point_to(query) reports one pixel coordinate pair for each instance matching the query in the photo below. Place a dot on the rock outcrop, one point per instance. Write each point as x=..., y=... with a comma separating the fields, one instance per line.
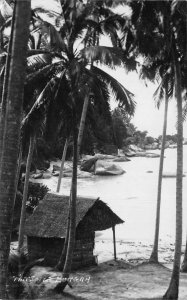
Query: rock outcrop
x=107, y=168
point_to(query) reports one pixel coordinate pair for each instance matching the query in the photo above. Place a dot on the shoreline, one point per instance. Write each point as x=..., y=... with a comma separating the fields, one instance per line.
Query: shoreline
x=128, y=249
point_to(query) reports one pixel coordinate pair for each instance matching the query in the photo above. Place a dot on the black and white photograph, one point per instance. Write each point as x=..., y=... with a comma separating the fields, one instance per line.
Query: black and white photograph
x=93, y=149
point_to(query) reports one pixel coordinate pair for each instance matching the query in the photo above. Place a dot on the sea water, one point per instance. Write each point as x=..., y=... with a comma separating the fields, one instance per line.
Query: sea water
x=133, y=196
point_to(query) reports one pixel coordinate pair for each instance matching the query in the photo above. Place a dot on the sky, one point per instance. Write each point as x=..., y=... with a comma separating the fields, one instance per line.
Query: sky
x=147, y=116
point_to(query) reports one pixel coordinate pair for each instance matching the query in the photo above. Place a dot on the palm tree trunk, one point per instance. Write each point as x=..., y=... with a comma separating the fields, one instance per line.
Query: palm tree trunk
x=62, y=259
x=72, y=225
x=8, y=163
x=25, y=194
x=82, y=123
x=184, y=263
x=5, y=86
x=154, y=254
x=62, y=165
x=173, y=290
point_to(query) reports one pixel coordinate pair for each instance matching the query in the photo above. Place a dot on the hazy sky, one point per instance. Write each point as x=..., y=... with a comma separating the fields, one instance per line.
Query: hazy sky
x=147, y=116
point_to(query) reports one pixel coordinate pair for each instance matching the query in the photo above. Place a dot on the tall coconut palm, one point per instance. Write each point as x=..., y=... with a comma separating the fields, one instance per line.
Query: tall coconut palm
x=161, y=71
x=173, y=289
x=78, y=77
x=154, y=254
x=8, y=167
x=166, y=32
x=164, y=91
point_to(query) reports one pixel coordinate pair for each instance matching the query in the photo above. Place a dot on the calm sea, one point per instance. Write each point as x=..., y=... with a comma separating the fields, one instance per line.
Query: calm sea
x=132, y=196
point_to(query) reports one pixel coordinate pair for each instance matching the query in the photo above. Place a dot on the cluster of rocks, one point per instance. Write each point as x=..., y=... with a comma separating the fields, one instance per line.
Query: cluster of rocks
x=157, y=146
x=99, y=164
x=134, y=150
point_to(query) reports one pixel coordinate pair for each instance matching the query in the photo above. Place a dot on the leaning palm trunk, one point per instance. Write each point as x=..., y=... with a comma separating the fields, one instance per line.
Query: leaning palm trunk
x=82, y=123
x=25, y=194
x=8, y=162
x=154, y=254
x=62, y=165
x=72, y=224
x=173, y=290
x=184, y=263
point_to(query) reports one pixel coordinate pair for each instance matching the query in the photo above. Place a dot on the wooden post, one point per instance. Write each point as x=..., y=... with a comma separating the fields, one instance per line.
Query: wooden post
x=114, y=241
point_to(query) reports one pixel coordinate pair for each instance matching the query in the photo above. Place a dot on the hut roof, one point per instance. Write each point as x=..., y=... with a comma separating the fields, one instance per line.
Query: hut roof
x=50, y=217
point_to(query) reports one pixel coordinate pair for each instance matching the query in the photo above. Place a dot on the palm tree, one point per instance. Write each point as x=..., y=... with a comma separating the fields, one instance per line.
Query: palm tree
x=165, y=32
x=62, y=164
x=165, y=89
x=77, y=77
x=173, y=289
x=154, y=254
x=8, y=166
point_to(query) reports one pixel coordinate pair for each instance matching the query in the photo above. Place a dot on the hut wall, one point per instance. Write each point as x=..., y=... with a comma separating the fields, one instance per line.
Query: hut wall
x=51, y=248
x=83, y=250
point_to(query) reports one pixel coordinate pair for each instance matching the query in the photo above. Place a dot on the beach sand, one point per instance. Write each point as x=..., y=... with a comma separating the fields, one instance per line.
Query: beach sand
x=110, y=280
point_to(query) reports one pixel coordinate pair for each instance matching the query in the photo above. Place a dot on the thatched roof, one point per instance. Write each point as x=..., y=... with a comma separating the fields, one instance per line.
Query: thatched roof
x=50, y=217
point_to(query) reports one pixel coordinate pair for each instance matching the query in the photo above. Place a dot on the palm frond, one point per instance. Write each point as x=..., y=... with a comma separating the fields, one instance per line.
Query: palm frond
x=122, y=95
x=59, y=111
x=42, y=71
x=37, y=112
x=178, y=5
x=108, y=56
x=158, y=95
x=166, y=86
x=38, y=61
x=6, y=10
x=53, y=17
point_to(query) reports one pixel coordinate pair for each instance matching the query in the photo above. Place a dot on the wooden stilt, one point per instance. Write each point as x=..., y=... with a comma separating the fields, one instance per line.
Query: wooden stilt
x=114, y=241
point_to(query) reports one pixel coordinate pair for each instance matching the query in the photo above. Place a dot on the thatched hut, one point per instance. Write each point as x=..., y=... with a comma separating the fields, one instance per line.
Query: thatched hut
x=46, y=228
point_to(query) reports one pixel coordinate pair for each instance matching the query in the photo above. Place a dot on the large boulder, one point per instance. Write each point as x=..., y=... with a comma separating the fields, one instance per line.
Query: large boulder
x=135, y=148
x=130, y=153
x=56, y=168
x=107, y=168
x=88, y=165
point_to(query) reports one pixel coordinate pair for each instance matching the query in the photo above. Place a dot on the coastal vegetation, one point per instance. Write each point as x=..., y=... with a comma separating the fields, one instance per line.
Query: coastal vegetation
x=55, y=102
